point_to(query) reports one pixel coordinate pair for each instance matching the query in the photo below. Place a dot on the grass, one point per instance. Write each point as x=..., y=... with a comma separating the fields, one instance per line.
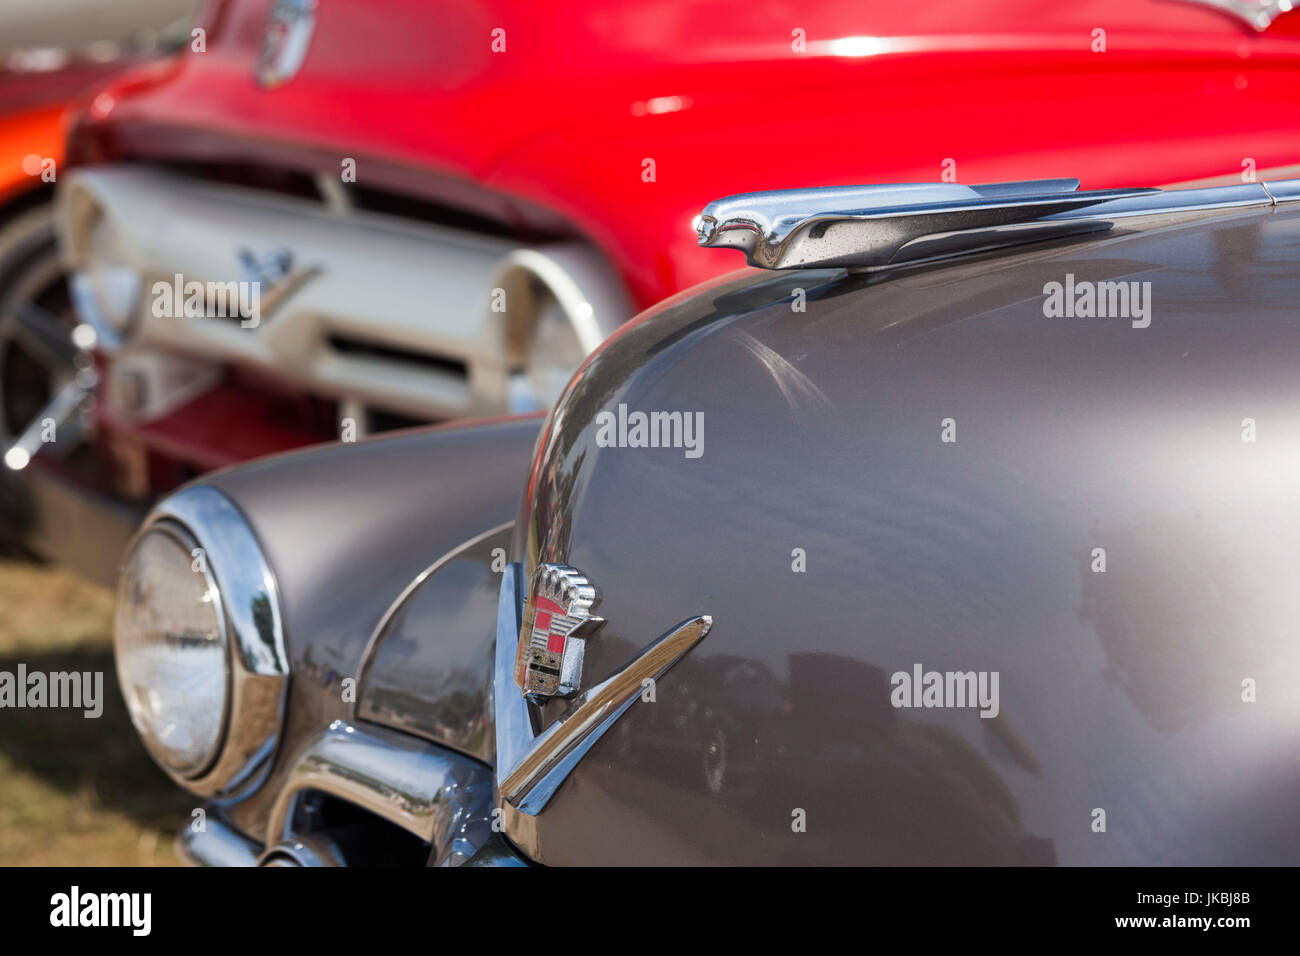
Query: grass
x=74, y=790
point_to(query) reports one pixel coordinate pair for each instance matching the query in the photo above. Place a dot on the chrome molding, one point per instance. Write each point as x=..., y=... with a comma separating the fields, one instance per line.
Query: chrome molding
x=531, y=765
x=440, y=796
x=512, y=718
x=875, y=227
x=258, y=661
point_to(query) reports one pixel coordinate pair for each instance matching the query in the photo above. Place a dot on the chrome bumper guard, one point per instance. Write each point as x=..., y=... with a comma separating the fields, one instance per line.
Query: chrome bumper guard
x=442, y=797
x=216, y=844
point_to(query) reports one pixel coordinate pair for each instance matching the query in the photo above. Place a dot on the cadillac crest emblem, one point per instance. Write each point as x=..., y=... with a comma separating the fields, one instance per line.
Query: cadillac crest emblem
x=556, y=624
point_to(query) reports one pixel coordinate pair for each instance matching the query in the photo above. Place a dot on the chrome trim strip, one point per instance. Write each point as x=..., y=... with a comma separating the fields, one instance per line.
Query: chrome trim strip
x=1175, y=202
x=440, y=796
x=1283, y=190
x=875, y=227
x=553, y=754
x=257, y=657
x=512, y=718
x=217, y=844
x=531, y=765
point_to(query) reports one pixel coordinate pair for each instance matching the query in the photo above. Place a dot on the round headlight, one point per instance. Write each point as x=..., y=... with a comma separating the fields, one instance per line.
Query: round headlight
x=200, y=647
x=171, y=649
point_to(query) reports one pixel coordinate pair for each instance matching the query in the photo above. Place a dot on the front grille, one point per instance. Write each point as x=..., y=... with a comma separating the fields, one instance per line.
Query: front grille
x=390, y=203
x=272, y=179
x=295, y=183
x=357, y=348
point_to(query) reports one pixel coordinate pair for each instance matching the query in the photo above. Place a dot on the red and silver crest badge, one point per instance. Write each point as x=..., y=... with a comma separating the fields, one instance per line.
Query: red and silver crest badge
x=289, y=27
x=557, y=622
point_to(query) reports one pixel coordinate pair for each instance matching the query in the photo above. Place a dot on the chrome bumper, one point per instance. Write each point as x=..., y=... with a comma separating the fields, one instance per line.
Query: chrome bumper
x=216, y=844
x=440, y=796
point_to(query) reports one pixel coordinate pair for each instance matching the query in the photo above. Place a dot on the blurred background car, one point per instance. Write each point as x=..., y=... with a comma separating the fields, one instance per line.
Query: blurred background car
x=52, y=55
x=436, y=211
x=71, y=789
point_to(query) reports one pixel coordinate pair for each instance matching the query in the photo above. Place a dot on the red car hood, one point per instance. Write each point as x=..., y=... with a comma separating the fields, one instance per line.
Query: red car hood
x=586, y=101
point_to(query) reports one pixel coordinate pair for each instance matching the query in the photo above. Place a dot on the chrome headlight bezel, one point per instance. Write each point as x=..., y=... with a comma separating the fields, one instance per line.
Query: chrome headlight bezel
x=257, y=661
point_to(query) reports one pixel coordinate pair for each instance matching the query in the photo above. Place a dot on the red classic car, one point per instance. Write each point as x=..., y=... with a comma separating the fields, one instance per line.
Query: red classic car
x=437, y=210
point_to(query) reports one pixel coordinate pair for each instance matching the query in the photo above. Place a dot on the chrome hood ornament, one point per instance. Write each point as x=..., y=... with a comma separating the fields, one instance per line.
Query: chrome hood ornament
x=1258, y=14
x=876, y=227
x=557, y=622
x=289, y=28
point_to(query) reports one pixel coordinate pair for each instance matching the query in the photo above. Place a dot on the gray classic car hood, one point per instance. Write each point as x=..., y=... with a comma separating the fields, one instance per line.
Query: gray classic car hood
x=936, y=471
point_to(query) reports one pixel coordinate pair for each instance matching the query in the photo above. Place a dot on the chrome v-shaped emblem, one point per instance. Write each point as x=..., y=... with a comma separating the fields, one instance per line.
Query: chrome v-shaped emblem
x=531, y=765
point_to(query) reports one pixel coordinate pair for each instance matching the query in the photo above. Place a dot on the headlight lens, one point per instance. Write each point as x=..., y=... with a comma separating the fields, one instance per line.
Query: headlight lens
x=171, y=648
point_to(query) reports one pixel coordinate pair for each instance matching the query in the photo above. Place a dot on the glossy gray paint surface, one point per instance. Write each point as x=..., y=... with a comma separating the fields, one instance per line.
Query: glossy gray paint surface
x=1119, y=690
x=345, y=528
x=429, y=669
